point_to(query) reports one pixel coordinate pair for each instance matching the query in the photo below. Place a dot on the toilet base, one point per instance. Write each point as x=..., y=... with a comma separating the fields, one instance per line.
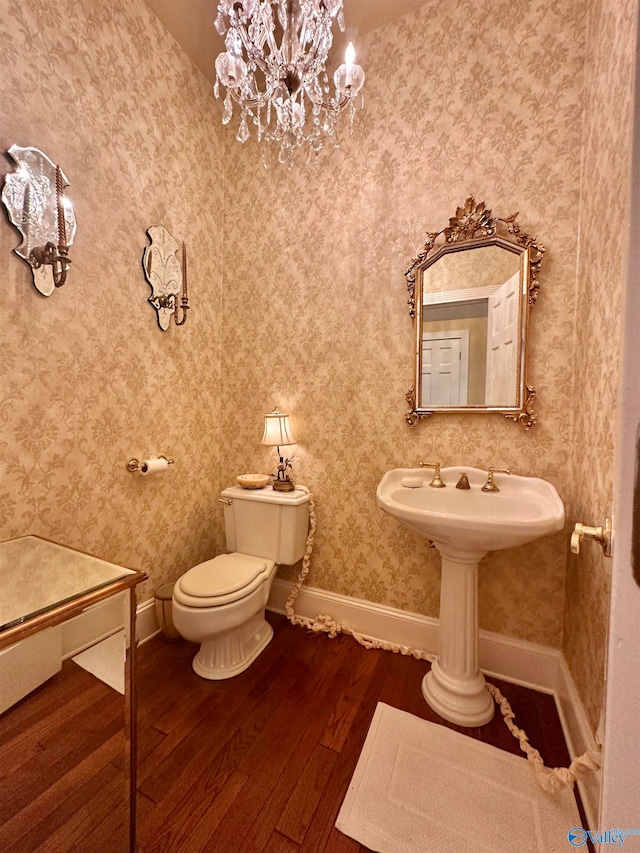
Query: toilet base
x=231, y=653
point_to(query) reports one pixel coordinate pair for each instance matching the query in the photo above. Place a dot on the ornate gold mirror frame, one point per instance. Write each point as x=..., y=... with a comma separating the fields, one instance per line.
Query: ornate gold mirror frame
x=442, y=283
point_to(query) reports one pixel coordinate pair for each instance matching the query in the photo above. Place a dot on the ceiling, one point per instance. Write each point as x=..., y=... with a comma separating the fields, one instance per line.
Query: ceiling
x=191, y=24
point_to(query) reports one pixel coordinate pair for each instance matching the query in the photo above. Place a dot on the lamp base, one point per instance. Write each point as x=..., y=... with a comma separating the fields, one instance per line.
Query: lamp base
x=283, y=485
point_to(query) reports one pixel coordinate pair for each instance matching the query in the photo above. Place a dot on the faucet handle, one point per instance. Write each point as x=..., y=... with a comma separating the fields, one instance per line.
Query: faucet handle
x=436, y=483
x=490, y=486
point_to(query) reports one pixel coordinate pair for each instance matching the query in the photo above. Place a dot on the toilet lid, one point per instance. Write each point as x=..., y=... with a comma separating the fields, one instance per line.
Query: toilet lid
x=223, y=575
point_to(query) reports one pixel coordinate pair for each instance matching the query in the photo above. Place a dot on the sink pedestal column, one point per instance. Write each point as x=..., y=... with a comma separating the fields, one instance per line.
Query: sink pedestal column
x=455, y=687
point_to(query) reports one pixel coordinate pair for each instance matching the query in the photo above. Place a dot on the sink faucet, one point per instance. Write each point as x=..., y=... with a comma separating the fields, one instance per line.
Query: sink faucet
x=463, y=482
x=490, y=486
x=436, y=483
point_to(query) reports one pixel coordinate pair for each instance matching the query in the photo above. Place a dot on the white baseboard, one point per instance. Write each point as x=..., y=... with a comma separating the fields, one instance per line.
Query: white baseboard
x=146, y=622
x=503, y=657
x=531, y=665
x=580, y=739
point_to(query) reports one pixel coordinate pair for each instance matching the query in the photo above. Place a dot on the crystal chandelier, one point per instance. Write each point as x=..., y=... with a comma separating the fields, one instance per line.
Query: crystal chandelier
x=274, y=68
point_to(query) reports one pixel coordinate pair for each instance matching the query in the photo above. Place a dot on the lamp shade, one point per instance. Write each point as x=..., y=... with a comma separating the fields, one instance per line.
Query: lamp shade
x=277, y=430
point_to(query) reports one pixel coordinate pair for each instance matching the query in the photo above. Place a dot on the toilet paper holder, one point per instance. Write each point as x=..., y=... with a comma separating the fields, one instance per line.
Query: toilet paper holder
x=134, y=465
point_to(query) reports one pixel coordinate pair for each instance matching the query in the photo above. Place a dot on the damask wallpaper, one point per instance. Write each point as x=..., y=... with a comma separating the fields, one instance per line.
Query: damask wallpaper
x=88, y=378
x=604, y=207
x=299, y=299
x=461, y=98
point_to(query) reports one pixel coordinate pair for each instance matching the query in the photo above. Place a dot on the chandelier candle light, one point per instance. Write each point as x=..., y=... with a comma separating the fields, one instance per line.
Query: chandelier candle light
x=283, y=88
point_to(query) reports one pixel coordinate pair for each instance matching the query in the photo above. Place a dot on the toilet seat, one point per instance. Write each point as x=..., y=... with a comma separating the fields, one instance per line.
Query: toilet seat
x=222, y=580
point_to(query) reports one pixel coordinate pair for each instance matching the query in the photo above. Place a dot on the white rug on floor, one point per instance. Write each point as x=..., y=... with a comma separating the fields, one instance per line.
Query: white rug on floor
x=421, y=788
x=105, y=660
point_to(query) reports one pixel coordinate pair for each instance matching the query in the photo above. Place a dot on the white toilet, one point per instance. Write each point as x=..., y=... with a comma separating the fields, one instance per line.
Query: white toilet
x=220, y=603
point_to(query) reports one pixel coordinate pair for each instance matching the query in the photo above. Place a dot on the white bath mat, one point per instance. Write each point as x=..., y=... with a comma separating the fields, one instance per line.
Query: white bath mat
x=105, y=660
x=422, y=788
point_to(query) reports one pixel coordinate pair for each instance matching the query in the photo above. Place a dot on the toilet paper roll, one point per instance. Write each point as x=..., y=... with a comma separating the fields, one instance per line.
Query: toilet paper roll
x=154, y=466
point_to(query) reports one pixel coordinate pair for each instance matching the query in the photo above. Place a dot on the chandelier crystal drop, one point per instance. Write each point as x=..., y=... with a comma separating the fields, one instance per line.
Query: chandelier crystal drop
x=274, y=68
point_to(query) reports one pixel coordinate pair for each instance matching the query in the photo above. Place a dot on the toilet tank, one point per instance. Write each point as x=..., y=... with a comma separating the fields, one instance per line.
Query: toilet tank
x=266, y=523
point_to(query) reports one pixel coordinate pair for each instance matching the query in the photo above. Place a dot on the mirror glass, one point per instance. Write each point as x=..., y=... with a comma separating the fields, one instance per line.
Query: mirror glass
x=36, y=204
x=471, y=319
x=470, y=293
x=164, y=273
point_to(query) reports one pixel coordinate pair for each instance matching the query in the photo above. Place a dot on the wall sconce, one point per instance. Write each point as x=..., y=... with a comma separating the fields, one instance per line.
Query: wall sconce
x=277, y=433
x=34, y=198
x=166, y=275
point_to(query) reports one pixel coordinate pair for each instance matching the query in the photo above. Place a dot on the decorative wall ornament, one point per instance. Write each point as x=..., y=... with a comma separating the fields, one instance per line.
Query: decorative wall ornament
x=34, y=198
x=470, y=290
x=167, y=276
x=471, y=222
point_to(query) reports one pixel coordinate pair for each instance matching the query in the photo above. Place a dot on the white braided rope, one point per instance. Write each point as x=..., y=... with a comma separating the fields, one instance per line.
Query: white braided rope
x=550, y=779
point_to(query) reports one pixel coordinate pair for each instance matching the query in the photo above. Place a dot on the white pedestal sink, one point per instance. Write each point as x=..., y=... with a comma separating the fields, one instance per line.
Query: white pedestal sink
x=464, y=526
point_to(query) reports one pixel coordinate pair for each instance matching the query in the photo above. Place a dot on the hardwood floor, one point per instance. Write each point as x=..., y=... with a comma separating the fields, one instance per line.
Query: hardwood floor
x=61, y=774
x=260, y=762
